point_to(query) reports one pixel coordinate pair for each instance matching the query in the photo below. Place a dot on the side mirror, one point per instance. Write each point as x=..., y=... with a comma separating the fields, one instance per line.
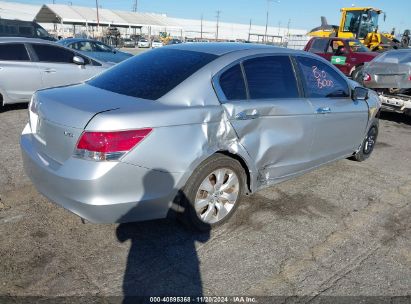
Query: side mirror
x=78, y=60
x=359, y=93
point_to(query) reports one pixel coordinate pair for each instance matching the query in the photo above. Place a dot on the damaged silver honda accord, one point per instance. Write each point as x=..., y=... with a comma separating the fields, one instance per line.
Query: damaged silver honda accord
x=191, y=128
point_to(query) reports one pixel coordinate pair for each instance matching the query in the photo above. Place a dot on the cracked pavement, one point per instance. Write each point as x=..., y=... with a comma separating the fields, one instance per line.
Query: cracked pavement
x=341, y=230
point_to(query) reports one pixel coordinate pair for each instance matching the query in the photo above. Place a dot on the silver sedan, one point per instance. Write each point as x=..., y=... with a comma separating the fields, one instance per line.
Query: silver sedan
x=27, y=65
x=188, y=129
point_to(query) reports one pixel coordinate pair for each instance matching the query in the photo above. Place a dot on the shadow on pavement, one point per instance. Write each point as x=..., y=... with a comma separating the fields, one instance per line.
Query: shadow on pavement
x=162, y=260
x=11, y=107
x=396, y=117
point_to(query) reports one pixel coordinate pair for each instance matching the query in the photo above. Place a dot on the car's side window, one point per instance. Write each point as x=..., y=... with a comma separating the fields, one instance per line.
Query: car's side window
x=270, y=77
x=73, y=46
x=85, y=46
x=13, y=52
x=321, y=80
x=50, y=53
x=232, y=83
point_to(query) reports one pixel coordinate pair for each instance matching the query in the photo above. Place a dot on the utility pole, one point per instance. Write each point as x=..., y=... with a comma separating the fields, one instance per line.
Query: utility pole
x=55, y=24
x=279, y=27
x=98, y=18
x=135, y=5
x=201, y=27
x=266, y=20
x=249, y=31
x=288, y=27
x=218, y=24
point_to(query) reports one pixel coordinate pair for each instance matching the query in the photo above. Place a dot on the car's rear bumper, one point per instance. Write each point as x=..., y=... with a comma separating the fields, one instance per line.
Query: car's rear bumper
x=101, y=192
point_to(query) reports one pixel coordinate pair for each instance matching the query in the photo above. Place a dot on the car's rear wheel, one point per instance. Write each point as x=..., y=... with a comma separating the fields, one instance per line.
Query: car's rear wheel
x=367, y=145
x=213, y=192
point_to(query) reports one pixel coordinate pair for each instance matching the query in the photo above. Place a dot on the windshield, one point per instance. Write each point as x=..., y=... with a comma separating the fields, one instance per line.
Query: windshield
x=100, y=47
x=152, y=74
x=361, y=22
x=357, y=47
x=41, y=32
x=369, y=23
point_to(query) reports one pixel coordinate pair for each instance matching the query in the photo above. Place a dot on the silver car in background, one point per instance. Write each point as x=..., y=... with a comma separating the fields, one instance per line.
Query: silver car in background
x=189, y=129
x=390, y=75
x=27, y=65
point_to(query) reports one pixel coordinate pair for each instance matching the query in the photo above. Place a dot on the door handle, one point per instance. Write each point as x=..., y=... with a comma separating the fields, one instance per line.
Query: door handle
x=246, y=115
x=50, y=70
x=324, y=110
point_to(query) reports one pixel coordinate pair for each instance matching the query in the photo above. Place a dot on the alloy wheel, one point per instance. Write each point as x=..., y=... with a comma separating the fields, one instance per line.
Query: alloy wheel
x=217, y=195
x=370, y=141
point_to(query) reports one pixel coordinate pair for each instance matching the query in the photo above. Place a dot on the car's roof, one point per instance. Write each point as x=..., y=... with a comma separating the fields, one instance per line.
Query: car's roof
x=24, y=40
x=399, y=51
x=221, y=48
x=77, y=39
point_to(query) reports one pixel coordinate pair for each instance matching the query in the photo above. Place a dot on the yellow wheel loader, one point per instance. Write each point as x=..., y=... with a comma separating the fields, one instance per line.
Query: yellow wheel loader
x=360, y=23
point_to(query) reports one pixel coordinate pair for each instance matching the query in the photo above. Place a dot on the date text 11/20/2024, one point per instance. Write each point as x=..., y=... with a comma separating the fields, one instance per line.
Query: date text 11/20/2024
x=203, y=300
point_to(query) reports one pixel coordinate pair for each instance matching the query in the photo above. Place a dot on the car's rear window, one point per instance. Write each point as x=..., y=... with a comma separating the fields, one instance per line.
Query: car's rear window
x=152, y=74
x=403, y=57
x=318, y=45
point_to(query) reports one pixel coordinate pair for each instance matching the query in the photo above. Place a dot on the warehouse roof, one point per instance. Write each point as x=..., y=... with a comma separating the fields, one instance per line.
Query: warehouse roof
x=69, y=14
x=12, y=10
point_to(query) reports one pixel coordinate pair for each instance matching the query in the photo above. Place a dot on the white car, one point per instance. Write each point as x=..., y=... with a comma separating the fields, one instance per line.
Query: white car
x=143, y=43
x=27, y=65
x=156, y=44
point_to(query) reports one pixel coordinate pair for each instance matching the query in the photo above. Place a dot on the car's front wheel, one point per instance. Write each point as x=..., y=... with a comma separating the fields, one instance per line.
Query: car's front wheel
x=367, y=145
x=213, y=192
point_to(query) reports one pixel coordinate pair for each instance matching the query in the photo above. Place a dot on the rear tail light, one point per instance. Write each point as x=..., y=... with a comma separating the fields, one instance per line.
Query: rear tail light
x=106, y=146
x=33, y=104
x=366, y=77
x=409, y=78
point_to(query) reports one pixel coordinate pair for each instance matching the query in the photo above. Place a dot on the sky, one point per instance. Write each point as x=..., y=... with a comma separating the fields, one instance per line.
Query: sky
x=301, y=14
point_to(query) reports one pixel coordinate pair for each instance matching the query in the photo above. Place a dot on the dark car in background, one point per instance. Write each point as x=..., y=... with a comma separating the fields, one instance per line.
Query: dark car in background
x=174, y=41
x=27, y=29
x=95, y=49
x=348, y=55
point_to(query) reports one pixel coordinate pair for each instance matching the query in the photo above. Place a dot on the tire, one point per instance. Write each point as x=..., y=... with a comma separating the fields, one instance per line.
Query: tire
x=356, y=75
x=204, y=210
x=1, y=104
x=367, y=145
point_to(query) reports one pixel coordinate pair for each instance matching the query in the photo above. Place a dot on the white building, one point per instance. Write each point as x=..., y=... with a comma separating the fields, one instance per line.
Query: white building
x=73, y=20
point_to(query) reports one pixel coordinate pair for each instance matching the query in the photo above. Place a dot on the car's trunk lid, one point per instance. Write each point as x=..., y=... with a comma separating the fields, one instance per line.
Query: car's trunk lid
x=60, y=115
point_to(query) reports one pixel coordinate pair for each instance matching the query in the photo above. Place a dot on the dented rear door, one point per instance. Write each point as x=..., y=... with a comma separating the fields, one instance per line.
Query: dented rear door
x=274, y=124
